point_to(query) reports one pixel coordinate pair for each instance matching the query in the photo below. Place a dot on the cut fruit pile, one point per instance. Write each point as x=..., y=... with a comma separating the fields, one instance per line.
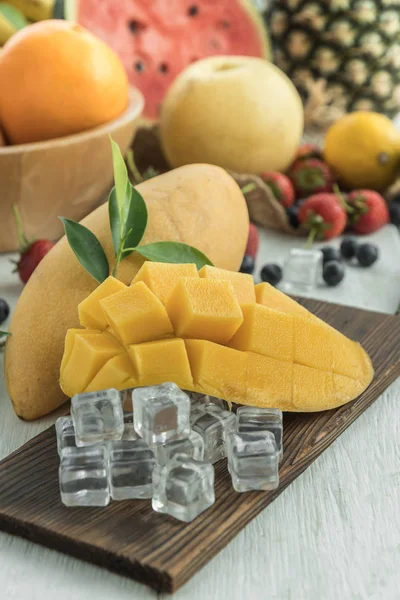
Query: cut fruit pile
x=212, y=332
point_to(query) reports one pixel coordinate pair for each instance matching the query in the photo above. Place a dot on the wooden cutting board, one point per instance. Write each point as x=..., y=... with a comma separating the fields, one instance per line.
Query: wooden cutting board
x=128, y=537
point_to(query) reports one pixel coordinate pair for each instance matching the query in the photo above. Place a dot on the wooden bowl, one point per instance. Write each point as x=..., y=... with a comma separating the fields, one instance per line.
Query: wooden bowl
x=66, y=177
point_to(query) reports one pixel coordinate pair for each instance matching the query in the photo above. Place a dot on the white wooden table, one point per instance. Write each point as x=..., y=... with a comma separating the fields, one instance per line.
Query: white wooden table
x=334, y=534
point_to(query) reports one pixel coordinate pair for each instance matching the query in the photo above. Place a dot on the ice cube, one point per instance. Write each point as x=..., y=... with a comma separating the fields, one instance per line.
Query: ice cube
x=83, y=476
x=131, y=464
x=65, y=432
x=253, y=461
x=193, y=446
x=97, y=417
x=183, y=488
x=302, y=270
x=213, y=424
x=161, y=413
x=252, y=420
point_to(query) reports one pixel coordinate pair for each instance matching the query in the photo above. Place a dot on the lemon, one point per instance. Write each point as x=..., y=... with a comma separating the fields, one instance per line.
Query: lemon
x=363, y=148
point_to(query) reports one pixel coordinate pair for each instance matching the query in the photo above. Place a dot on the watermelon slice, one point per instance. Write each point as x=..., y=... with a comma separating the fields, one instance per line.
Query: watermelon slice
x=157, y=39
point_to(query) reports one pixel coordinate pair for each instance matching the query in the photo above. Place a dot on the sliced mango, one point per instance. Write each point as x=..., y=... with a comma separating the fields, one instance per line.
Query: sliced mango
x=269, y=296
x=89, y=310
x=161, y=361
x=218, y=370
x=243, y=284
x=136, y=315
x=116, y=373
x=265, y=331
x=204, y=309
x=87, y=356
x=210, y=338
x=268, y=382
x=161, y=278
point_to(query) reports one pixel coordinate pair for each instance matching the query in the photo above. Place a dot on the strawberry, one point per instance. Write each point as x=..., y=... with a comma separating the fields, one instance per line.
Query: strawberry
x=323, y=216
x=31, y=252
x=310, y=176
x=368, y=212
x=308, y=151
x=252, y=242
x=280, y=186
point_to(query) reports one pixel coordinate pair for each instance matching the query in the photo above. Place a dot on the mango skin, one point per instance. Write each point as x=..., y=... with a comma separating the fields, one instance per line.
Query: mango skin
x=198, y=204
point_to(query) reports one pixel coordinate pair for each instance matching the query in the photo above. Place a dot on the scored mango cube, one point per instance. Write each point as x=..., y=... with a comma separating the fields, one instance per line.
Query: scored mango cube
x=89, y=310
x=243, y=284
x=114, y=374
x=312, y=344
x=88, y=355
x=265, y=331
x=204, y=309
x=218, y=369
x=268, y=295
x=136, y=315
x=161, y=278
x=311, y=388
x=161, y=361
x=268, y=382
x=69, y=343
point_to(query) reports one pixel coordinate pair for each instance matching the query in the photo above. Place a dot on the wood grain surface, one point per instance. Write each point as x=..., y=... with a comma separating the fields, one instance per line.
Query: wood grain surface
x=128, y=537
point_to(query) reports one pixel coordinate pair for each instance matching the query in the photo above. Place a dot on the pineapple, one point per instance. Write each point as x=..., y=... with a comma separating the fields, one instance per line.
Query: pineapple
x=342, y=55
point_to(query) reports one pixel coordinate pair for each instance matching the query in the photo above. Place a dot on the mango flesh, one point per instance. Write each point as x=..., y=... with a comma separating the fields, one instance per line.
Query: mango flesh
x=162, y=279
x=278, y=358
x=198, y=204
x=136, y=315
x=89, y=310
x=204, y=308
x=242, y=284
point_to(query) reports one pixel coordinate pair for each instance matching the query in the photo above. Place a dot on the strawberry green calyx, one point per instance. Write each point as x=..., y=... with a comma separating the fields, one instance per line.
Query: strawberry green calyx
x=23, y=242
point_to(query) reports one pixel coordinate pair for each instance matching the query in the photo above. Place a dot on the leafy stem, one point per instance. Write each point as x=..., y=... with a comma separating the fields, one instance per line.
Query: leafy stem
x=128, y=217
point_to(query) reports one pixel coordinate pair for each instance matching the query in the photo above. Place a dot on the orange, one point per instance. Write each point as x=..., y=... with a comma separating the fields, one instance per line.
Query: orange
x=57, y=79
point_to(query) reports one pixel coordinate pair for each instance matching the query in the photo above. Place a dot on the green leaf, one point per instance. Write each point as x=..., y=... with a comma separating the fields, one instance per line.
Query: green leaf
x=174, y=252
x=121, y=181
x=115, y=220
x=136, y=222
x=87, y=249
x=14, y=17
x=4, y=333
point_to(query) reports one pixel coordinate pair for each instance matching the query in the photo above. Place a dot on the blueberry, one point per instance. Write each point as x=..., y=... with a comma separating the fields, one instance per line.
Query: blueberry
x=4, y=310
x=394, y=212
x=271, y=274
x=330, y=253
x=333, y=272
x=348, y=247
x=367, y=254
x=292, y=215
x=247, y=265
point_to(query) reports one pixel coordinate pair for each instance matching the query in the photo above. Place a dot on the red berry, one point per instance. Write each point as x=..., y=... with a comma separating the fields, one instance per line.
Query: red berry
x=323, y=216
x=370, y=211
x=281, y=187
x=252, y=241
x=310, y=176
x=308, y=151
x=31, y=257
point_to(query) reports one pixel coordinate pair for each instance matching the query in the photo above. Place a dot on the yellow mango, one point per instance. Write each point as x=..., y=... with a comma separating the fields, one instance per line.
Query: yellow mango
x=88, y=355
x=177, y=202
x=269, y=296
x=114, y=374
x=268, y=382
x=312, y=388
x=243, y=284
x=265, y=331
x=136, y=315
x=161, y=278
x=69, y=343
x=313, y=344
x=90, y=311
x=217, y=370
x=161, y=361
x=204, y=309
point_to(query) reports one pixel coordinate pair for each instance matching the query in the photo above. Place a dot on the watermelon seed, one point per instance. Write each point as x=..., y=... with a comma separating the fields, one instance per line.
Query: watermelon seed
x=139, y=66
x=135, y=26
x=163, y=68
x=193, y=10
